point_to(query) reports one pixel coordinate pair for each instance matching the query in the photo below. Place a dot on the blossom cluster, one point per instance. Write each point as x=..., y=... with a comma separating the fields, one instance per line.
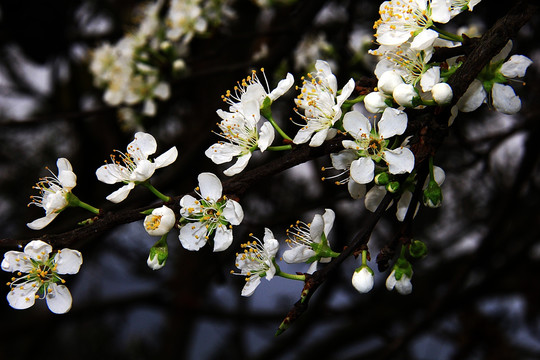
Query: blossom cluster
x=138, y=67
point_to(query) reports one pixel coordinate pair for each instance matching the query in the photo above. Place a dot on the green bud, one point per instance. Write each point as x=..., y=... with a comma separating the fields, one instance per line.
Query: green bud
x=417, y=249
x=382, y=178
x=433, y=195
x=392, y=187
x=158, y=255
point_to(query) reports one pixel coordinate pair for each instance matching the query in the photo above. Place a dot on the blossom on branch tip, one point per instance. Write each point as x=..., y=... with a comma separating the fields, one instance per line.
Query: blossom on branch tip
x=160, y=221
x=372, y=146
x=211, y=214
x=41, y=279
x=54, y=194
x=321, y=105
x=309, y=242
x=134, y=167
x=257, y=261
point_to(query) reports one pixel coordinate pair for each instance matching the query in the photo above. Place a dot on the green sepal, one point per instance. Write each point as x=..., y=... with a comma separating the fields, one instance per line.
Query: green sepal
x=147, y=212
x=418, y=249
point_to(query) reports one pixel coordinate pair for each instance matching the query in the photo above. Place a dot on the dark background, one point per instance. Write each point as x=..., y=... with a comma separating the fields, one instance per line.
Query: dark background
x=476, y=295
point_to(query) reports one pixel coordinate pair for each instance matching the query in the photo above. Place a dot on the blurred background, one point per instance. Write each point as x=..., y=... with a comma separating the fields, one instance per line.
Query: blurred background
x=476, y=295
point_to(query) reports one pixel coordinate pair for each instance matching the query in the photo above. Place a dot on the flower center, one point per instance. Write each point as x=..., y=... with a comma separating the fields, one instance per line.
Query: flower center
x=152, y=222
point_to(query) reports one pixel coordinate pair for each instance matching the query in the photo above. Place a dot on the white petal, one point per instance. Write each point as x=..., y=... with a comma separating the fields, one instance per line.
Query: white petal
x=222, y=152
x=105, y=173
x=424, y=40
x=67, y=179
x=59, y=299
x=298, y=254
x=210, y=186
x=431, y=77
x=266, y=136
x=363, y=170
x=223, y=238
x=345, y=92
x=40, y=223
x=167, y=158
x=440, y=11
x=473, y=97
x=356, y=190
x=63, y=164
x=400, y=160
x=505, y=99
x=271, y=245
x=239, y=166
x=374, y=197
x=38, y=250
x=144, y=170
x=233, y=212
x=189, y=202
x=21, y=299
x=403, y=285
x=404, y=94
x=15, y=261
x=516, y=66
x=343, y=159
x=120, y=194
x=143, y=142
x=328, y=217
x=393, y=122
x=192, y=236
x=312, y=268
x=391, y=280
x=303, y=135
x=403, y=205
x=282, y=87
x=251, y=285
x=319, y=138
x=68, y=261
x=388, y=81
x=356, y=124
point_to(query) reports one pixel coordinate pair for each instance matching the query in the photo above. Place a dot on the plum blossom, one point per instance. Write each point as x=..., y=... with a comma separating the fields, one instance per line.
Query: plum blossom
x=309, y=242
x=41, y=276
x=362, y=279
x=491, y=84
x=372, y=146
x=160, y=221
x=402, y=285
x=257, y=261
x=134, y=167
x=240, y=125
x=402, y=20
x=211, y=214
x=321, y=104
x=54, y=193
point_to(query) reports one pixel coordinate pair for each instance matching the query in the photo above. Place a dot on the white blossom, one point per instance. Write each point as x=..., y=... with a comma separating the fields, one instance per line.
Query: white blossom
x=54, y=191
x=41, y=278
x=362, y=279
x=134, y=167
x=257, y=261
x=210, y=214
x=160, y=221
x=321, y=105
x=402, y=286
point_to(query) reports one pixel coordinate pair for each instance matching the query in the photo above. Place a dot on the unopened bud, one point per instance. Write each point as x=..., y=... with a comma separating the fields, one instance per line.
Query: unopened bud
x=433, y=195
x=417, y=249
x=362, y=279
x=382, y=178
x=179, y=65
x=404, y=94
x=388, y=81
x=375, y=102
x=392, y=187
x=158, y=254
x=442, y=93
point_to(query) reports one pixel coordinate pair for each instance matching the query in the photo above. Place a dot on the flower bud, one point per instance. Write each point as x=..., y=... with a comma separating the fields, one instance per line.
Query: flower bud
x=165, y=45
x=442, y=93
x=417, y=249
x=383, y=178
x=432, y=196
x=179, y=65
x=375, y=102
x=392, y=187
x=362, y=279
x=404, y=94
x=160, y=221
x=158, y=254
x=388, y=81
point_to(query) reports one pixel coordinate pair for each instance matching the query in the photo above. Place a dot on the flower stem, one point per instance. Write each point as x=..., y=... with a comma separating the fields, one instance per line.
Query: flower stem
x=287, y=275
x=156, y=191
x=447, y=35
x=279, y=148
x=89, y=207
x=73, y=200
x=364, y=257
x=266, y=111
